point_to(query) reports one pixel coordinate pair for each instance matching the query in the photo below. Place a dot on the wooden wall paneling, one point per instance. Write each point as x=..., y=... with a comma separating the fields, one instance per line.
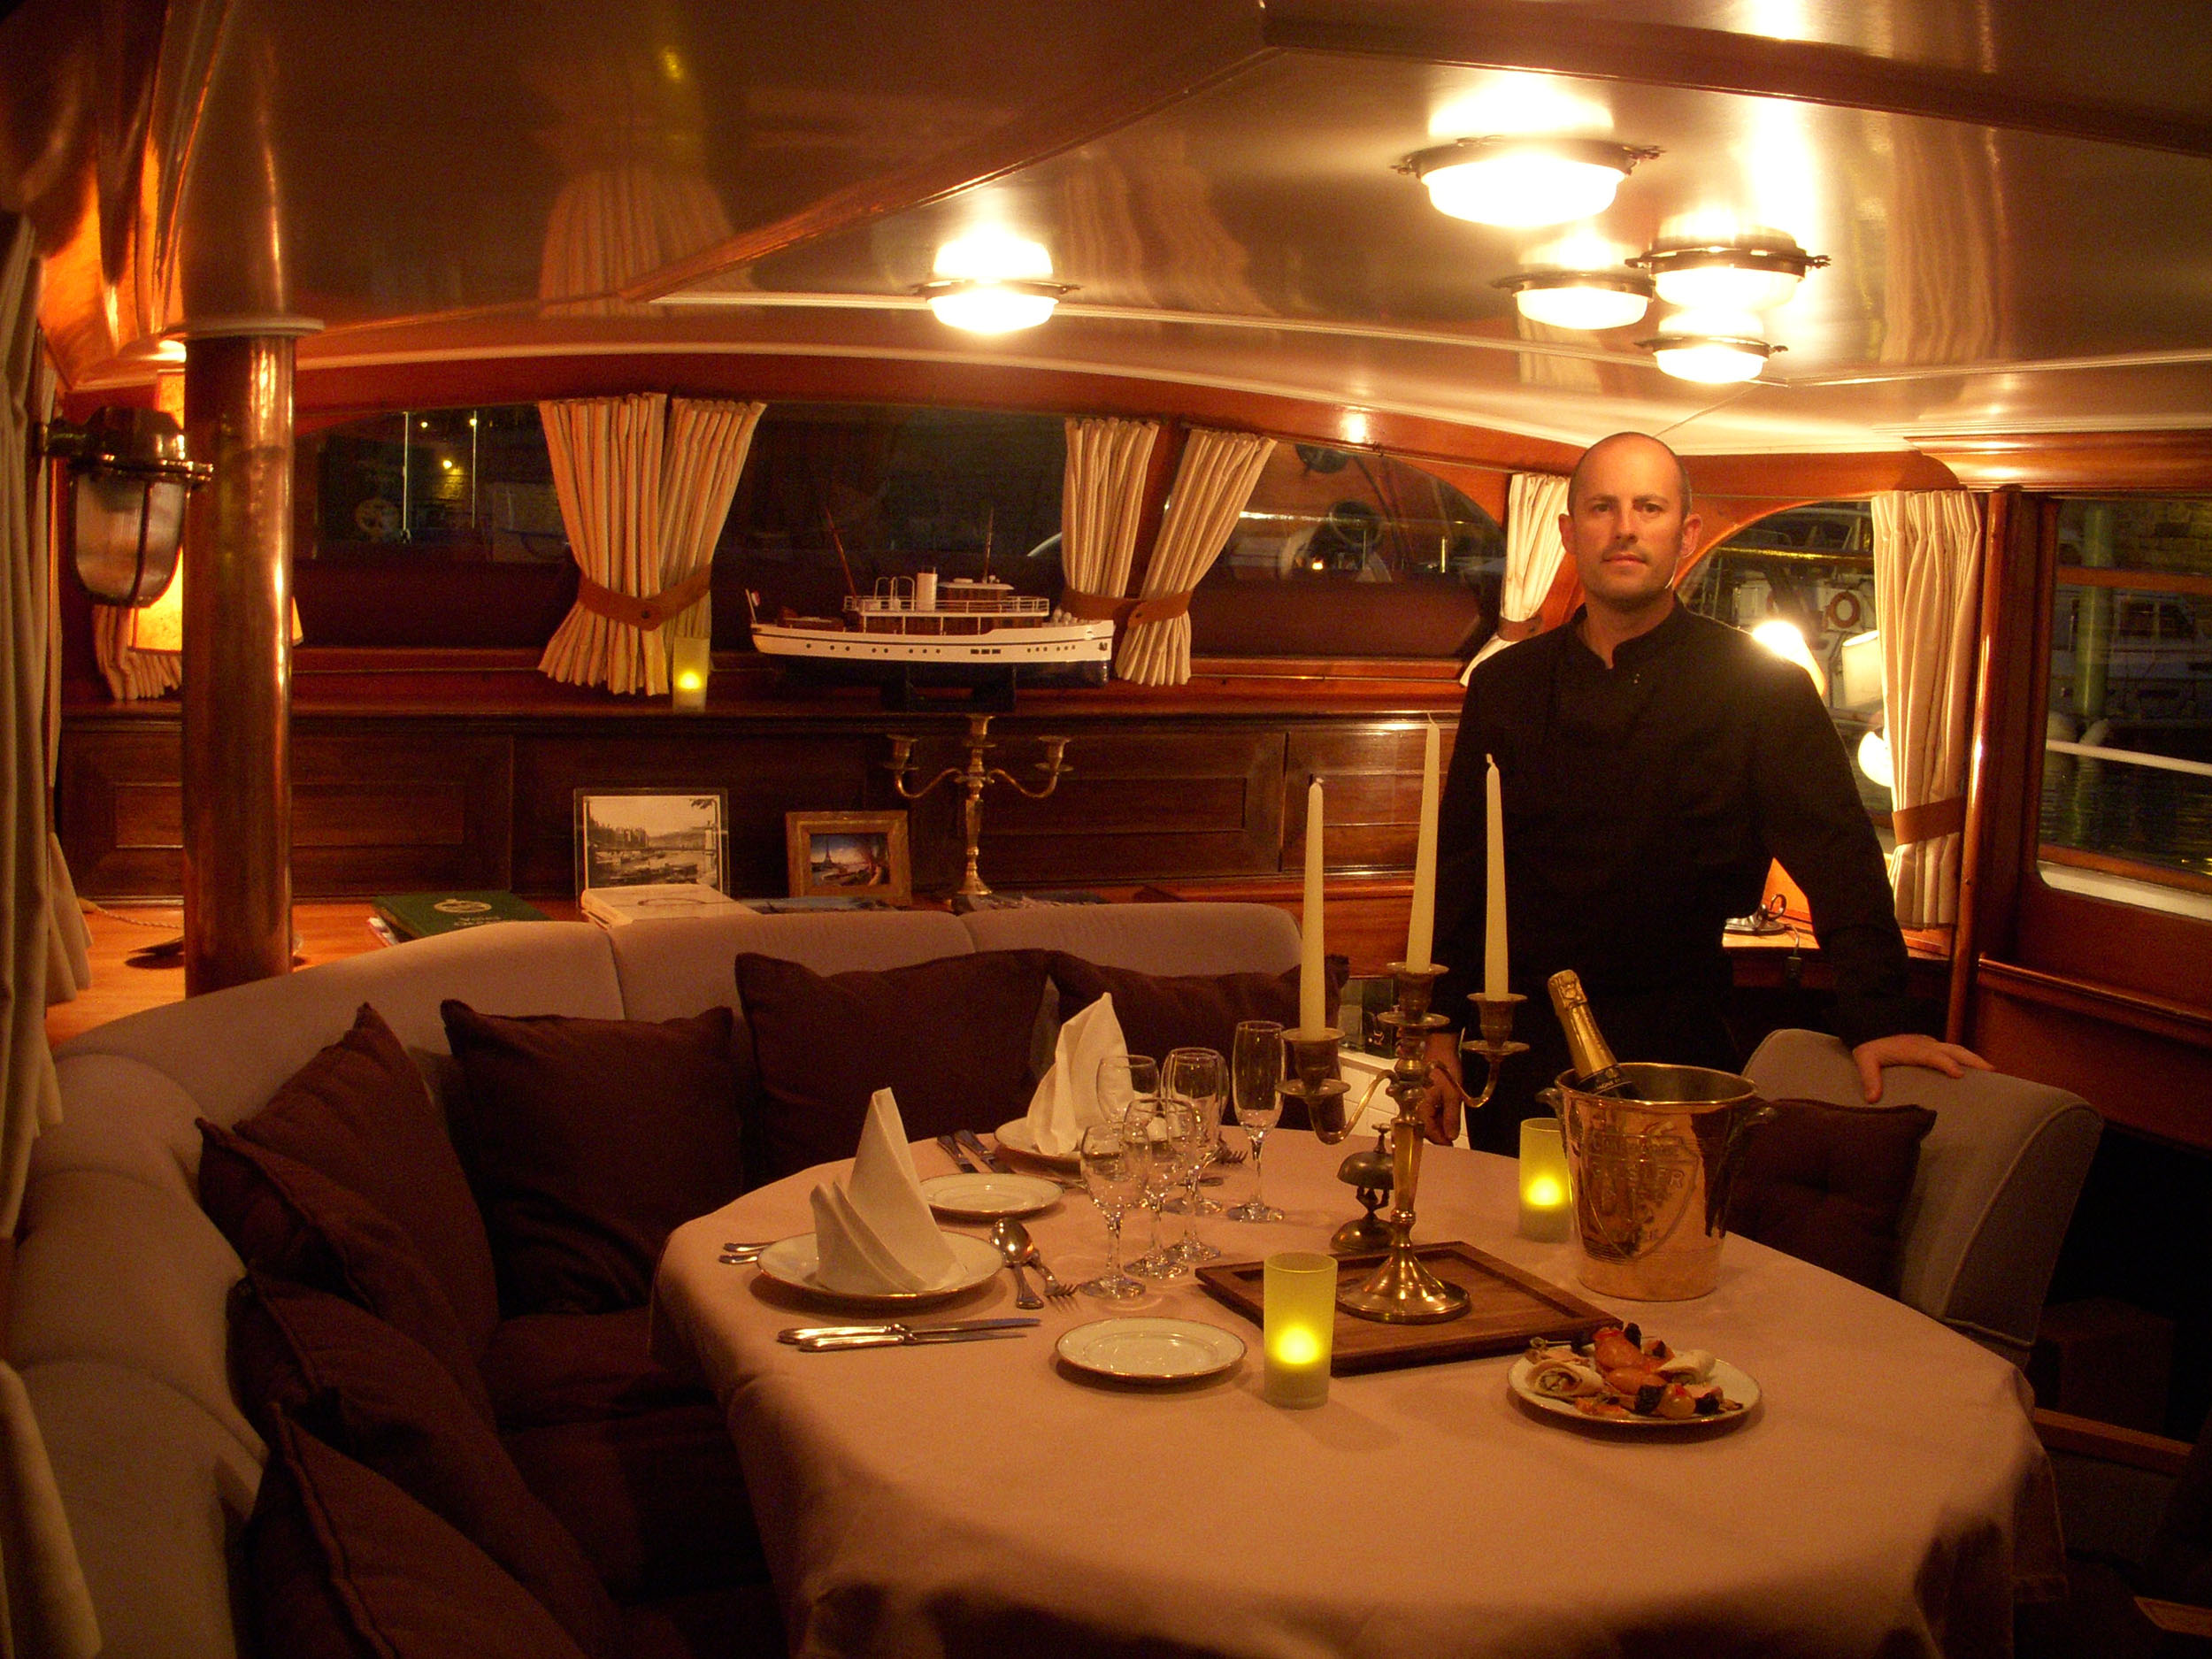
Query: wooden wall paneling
x=2125, y=462
x=119, y=808
x=1370, y=779
x=2147, y=1081
x=2016, y=649
x=379, y=807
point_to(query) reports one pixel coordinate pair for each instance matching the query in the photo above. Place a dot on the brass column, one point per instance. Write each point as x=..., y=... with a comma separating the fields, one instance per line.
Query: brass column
x=238, y=655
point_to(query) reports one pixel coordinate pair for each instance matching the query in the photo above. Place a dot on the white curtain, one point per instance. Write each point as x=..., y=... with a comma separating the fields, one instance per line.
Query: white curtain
x=1533, y=553
x=1211, y=486
x=644, y=487
x=44, y=1607
x=1927, y=585
x=1101, y=497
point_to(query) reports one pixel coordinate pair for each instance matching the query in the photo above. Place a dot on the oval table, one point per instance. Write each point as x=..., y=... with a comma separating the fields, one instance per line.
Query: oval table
x=1885, y=1498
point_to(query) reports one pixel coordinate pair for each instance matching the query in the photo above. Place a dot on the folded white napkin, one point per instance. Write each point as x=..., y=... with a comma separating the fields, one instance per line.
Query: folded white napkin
x=1066, y=1102
x=874, y=1235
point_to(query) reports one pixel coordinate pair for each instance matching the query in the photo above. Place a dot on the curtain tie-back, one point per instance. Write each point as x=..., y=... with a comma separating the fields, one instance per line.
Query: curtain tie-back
x=648, y=613
x=1929, y=821
x=1101, y=607
x=1513, y=630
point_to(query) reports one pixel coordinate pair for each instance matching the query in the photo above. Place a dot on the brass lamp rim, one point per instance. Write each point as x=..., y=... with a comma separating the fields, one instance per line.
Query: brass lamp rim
x=1601, y=152
x=942, y=287
x=1748, y=343
x=1616, y=281
x=1755, y=255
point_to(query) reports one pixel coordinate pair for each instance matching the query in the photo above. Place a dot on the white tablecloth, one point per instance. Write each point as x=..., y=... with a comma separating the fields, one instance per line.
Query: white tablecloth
x=974, y=1498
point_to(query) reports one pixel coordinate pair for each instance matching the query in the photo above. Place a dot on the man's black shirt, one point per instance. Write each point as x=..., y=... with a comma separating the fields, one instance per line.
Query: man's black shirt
x=1643, y=804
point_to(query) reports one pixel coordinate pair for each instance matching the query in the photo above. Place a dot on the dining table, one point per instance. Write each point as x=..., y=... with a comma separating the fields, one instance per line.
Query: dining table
x=1887, y=1495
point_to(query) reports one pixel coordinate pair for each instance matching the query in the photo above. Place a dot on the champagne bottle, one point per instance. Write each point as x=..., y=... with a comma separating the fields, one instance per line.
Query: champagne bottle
x=1596, y=1071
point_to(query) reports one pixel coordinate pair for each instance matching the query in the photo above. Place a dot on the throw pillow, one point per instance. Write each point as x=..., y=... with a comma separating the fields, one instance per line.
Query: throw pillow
x=296, y=1223
x=342, y=1562
x=359, y=1113
x=588, y=1141
x=375, y=1395
x=950, y=1037
x=1828, y=1185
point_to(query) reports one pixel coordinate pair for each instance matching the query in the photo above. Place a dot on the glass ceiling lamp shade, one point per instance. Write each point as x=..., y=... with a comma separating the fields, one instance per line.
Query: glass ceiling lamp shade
x=1713, y=348
x=129, y=476
x=1751, y=275
x=993, y=306
x=1515, y=181
x=1589, y=300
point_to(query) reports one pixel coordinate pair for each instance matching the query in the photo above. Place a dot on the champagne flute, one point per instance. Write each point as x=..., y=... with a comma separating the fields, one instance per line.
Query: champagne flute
x=1129, y=1094
x=1114, y=1163
x=1198, y=1077
x=1166, y=1126
x=1256, y=1073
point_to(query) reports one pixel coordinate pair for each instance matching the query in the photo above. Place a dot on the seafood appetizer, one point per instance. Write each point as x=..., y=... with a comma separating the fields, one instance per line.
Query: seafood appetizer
x=1624, y=1376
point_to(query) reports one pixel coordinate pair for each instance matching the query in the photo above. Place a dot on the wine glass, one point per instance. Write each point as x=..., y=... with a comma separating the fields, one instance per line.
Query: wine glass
x=1129, y=1094
x=1199, y=1078
x=1168, y=1127
x=1115, y=1164
x=1255, y=1072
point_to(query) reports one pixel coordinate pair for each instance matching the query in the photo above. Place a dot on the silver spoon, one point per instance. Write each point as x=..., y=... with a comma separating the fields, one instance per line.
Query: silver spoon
x=1011, y=1240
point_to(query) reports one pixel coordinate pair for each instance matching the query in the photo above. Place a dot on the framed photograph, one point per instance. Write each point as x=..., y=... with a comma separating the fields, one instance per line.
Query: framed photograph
x=634, y=838
x=848, y=854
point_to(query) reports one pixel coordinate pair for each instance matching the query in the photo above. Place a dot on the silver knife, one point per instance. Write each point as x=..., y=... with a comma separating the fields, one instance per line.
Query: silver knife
x=982, y=1154
x=895, y=1339
x=951, y=1149
x=894, y=1327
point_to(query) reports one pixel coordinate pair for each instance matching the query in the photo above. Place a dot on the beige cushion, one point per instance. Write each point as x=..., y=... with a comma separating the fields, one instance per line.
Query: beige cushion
x=1998, y=1175
x=673, y=969
x=1164, y=939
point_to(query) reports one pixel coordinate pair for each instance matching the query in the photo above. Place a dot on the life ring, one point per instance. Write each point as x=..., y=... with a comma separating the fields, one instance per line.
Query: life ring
x=1844, y=611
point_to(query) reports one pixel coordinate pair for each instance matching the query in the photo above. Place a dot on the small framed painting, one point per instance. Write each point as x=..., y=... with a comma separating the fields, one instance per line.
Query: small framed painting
x=848, y=854
x=634, y=838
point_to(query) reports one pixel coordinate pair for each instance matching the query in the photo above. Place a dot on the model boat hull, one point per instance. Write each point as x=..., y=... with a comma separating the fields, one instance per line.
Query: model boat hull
x=1084, y=648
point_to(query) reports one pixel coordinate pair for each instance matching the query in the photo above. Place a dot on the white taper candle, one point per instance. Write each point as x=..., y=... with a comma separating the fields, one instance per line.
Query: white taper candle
x=1494, y=972
x=1421, y=933
x=1313, y=1009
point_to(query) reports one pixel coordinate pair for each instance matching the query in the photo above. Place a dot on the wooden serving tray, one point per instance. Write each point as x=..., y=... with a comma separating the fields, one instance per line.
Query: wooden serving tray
x=1507, y=1308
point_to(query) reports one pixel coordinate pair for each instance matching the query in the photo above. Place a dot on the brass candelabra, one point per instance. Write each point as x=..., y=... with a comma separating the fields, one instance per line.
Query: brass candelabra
x=973, y=779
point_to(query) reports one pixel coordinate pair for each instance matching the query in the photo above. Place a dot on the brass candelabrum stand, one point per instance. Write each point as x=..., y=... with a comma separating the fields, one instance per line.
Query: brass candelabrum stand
x=973, y=779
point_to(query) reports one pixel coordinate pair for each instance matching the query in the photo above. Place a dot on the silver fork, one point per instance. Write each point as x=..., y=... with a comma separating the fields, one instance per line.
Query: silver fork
x=1223, y=1154
x=1054, y=1288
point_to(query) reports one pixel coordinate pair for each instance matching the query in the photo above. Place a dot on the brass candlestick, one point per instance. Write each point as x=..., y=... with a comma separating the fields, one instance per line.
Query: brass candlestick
x=1313, y=1080
x=1403, y=1291
x=973, y=779
x=1495, y=1014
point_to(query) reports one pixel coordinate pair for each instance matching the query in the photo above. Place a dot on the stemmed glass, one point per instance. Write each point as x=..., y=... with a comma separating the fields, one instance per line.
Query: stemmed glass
x=1199, y=1078
x=1170, y=1128
x=1115, y=1163
x=1129, y=1095
x=1256, y=1068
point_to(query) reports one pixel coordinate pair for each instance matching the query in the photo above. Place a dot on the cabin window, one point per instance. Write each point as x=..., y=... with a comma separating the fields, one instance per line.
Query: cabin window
x=1811, y=570
x=1350, y=554
x=2127, y=765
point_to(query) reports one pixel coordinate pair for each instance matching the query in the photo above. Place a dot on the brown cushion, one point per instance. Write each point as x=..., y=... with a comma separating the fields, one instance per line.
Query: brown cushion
x=1828, y=1184
x=588, y=1140
x=657, y=1500
x=359, y=1113
x=546, y=1368
x=950, y=1037
x=293, y=1222
x=1158, y=1012
x=343, y=1564
x=375, y=1395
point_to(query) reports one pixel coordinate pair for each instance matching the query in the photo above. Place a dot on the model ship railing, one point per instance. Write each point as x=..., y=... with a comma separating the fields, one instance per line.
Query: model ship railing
x=1001, y=604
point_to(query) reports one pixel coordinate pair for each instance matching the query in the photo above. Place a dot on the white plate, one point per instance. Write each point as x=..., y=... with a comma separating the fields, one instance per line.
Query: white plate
x=1151, y=1350
x=1014, y=1136
x=791, y=1262
x=981, y=1197
x=1736, y=1384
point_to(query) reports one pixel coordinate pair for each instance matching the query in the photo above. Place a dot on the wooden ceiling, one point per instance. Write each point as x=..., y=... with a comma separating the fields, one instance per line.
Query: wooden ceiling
x=2016, y=195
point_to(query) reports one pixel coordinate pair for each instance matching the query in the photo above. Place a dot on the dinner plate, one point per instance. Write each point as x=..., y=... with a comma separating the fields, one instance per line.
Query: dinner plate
x=791, y=1262
x=1151, y=1350
x=1736, y=1384
x=1015, y=1136
x=984, y=1197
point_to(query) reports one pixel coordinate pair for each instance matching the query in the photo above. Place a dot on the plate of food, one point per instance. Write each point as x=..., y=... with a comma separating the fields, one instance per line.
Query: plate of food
x=1622, y=1377
x=988, y=1197
x=791, y=1262
x=1015, y=1136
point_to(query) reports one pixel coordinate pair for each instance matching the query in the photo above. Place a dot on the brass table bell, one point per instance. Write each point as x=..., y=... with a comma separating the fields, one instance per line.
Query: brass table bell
x=1369, y=1175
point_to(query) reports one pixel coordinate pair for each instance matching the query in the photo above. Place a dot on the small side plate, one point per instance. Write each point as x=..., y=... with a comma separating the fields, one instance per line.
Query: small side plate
x=988, y=1197
x=1015, y=1136
x=1150, y=1350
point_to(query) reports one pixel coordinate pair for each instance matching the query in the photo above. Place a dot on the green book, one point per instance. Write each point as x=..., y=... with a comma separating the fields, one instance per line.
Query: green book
x=419, y=915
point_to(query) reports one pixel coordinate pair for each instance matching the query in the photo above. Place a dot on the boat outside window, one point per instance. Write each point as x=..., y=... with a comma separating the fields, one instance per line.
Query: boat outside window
x=2127, y=765
x=1803, y=579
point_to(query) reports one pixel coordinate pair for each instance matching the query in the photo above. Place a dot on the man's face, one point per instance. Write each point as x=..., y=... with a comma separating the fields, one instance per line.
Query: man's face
x=1625, y=529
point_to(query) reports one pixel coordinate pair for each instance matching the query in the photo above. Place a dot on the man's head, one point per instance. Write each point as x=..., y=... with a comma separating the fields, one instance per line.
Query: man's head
x=1628, y=524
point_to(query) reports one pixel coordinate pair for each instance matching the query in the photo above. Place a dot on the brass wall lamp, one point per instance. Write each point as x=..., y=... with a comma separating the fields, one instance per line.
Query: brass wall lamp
x=129, y=478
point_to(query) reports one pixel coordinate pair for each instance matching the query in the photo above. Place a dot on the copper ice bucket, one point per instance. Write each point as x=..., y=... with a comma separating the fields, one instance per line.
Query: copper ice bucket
x=1652, y=1176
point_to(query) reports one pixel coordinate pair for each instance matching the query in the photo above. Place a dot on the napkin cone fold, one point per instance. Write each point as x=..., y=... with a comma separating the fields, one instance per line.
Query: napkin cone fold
x=1066, y=1101
x=874, y=1234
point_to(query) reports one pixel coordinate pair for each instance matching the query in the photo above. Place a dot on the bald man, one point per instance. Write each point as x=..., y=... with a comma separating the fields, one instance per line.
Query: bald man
x=1653, y=764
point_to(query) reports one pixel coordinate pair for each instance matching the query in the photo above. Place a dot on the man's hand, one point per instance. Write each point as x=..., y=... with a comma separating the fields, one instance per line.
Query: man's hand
x=1441, y=1107
x=1911, y=1049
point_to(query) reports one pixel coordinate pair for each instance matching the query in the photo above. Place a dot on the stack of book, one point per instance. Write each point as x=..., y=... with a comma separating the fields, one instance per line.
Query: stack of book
x=419, y=915
x=652, y=901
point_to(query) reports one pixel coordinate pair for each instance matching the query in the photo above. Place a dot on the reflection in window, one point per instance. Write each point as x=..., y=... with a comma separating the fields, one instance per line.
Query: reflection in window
x=446, y=483
x=1802, y=580
x=1347, y=554
x=2127, y=768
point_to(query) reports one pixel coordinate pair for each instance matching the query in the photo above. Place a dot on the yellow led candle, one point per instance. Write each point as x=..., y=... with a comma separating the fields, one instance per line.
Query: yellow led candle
x=1299, y=1295
x=687, y=668
x=1546, y=1190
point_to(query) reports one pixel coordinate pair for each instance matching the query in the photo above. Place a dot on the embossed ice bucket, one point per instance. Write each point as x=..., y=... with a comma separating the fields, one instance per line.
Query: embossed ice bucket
x=1652, y=1176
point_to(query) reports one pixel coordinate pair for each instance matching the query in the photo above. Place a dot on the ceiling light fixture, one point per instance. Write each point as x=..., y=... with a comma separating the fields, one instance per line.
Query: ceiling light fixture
x=1591, y=300
x=990, y=305
x=1754, y=274
x=1521, y=180
x=1713, y=346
